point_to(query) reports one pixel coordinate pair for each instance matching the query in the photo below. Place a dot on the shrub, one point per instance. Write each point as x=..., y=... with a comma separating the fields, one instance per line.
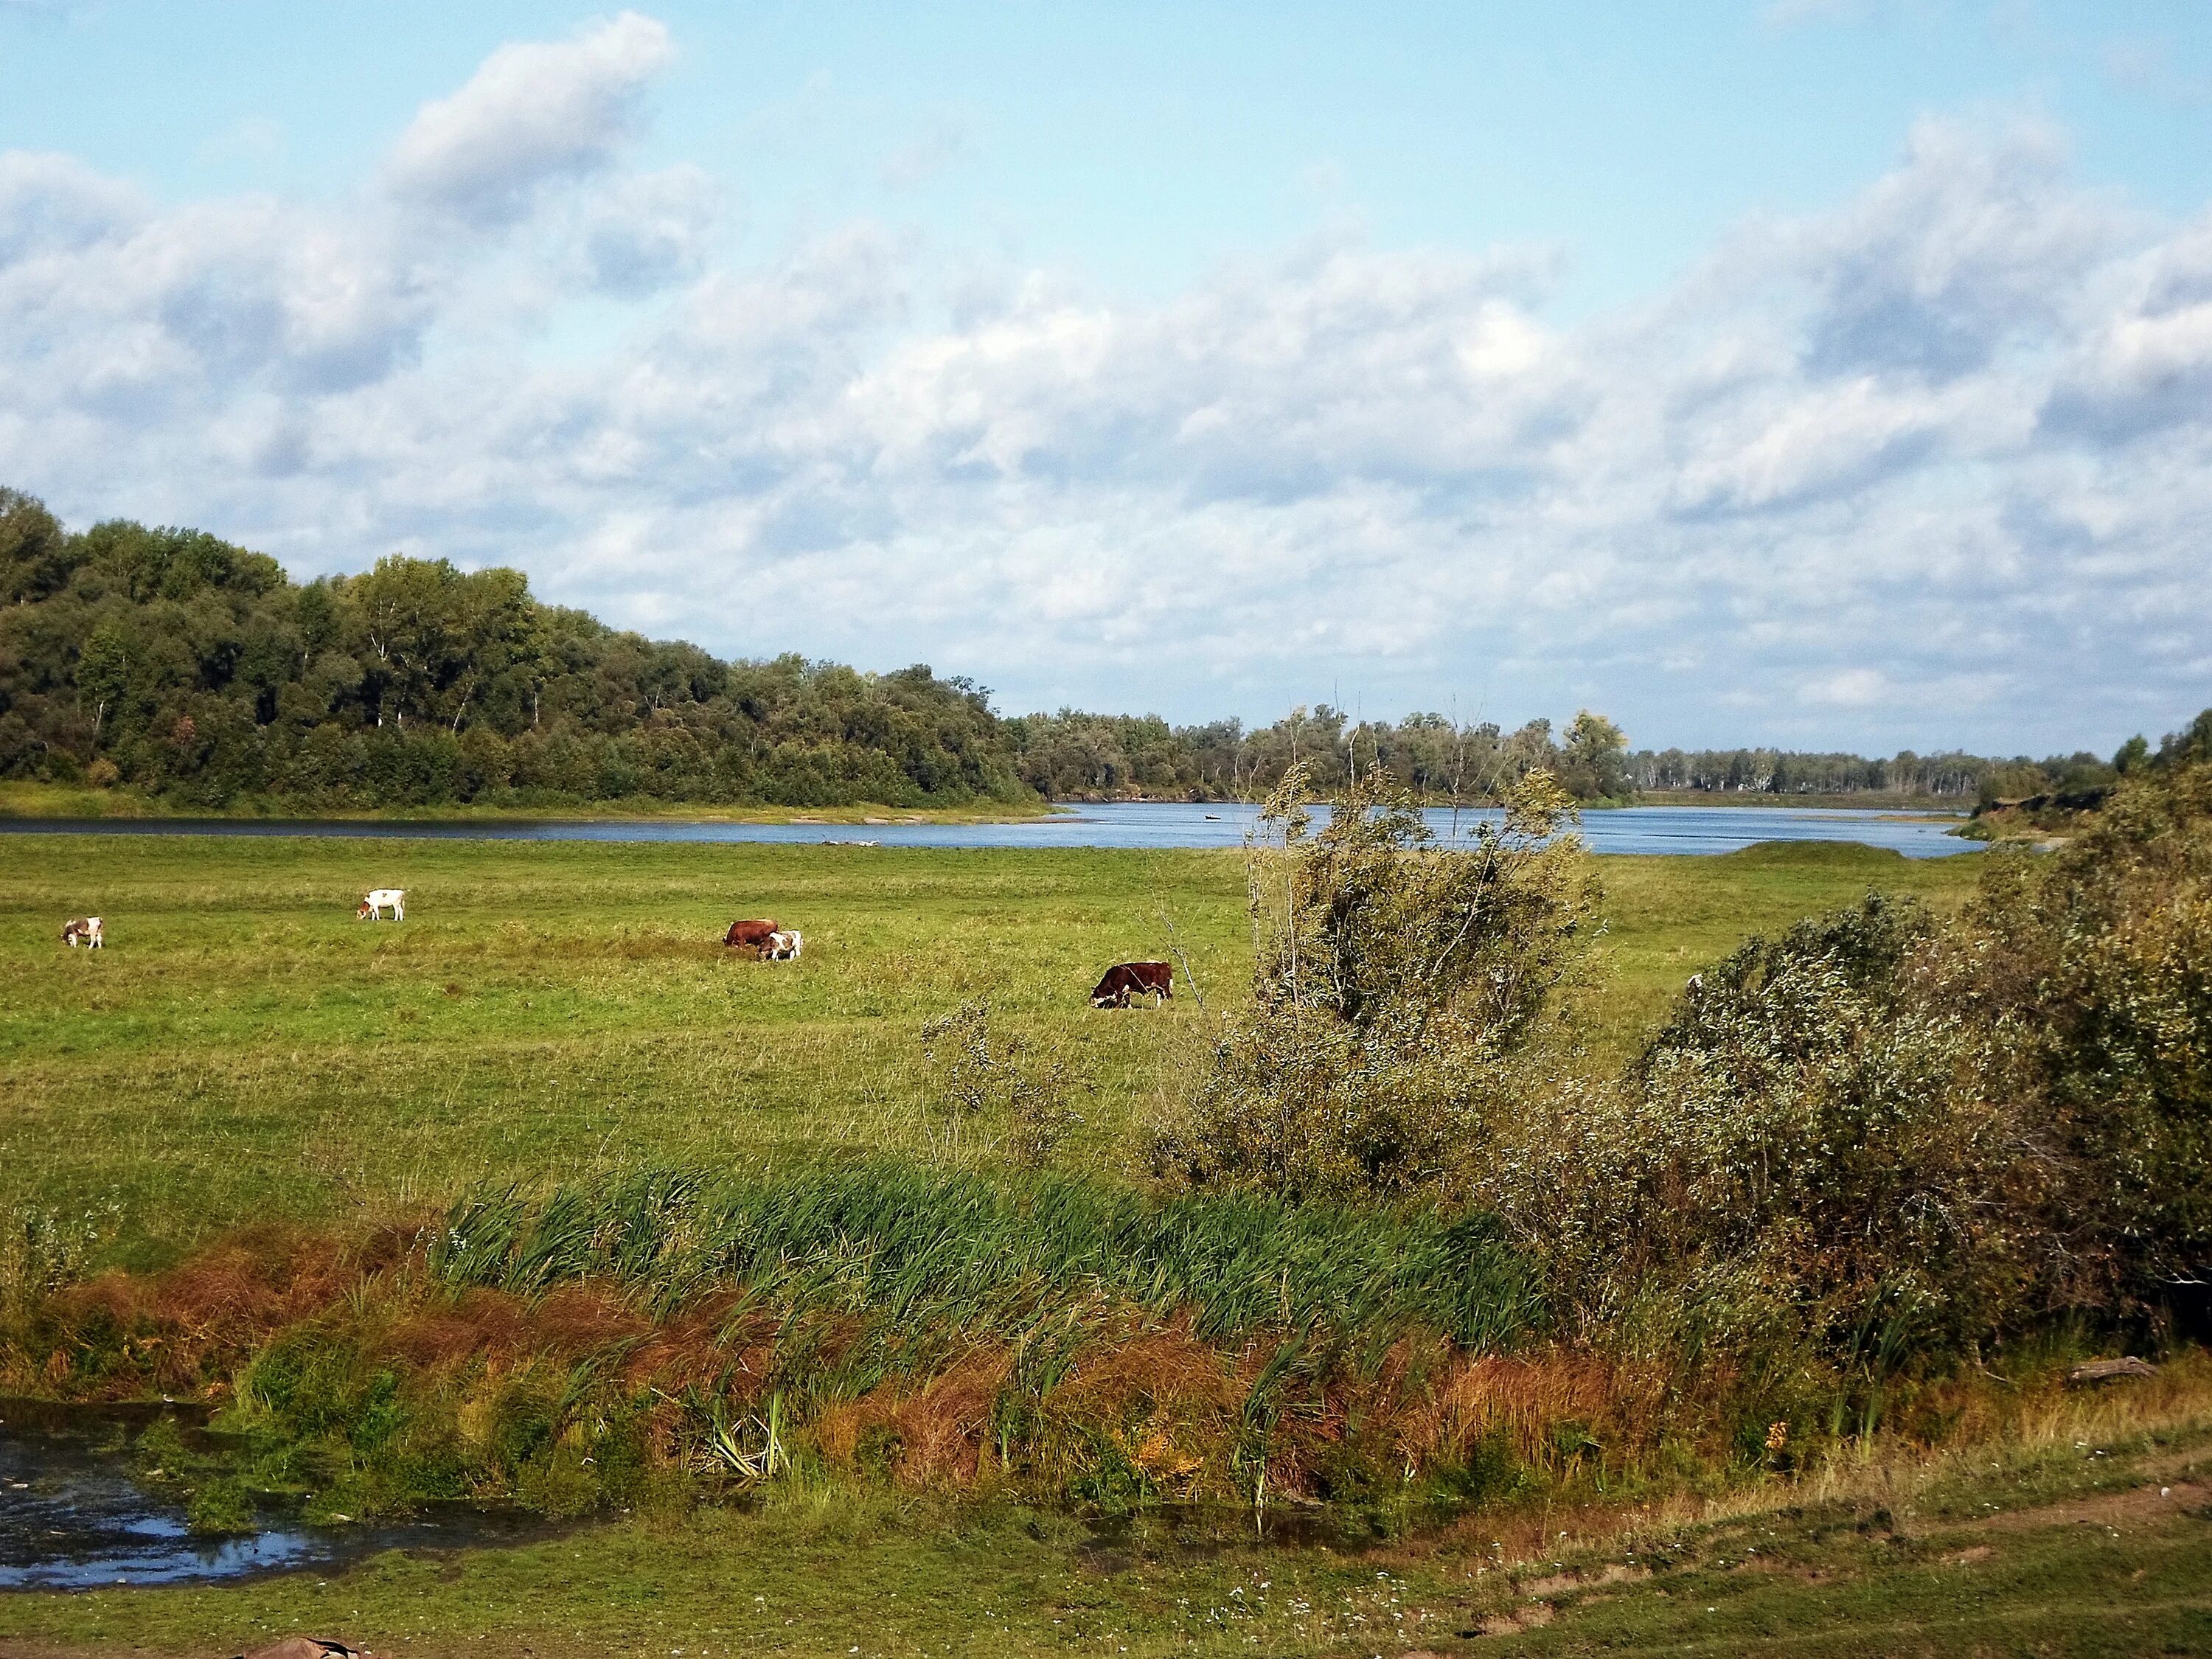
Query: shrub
x=2092, y=967
x=1396, y=989
x=1809, y=1151
x=984, y=1073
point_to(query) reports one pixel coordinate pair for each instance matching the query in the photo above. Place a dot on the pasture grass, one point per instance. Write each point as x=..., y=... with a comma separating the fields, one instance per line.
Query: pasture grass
x=555, y=1019
x=244, y=1049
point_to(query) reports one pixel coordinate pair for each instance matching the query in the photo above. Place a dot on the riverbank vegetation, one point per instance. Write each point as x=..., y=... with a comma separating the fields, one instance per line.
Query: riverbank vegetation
x=2074, y=1525
x=166, y=669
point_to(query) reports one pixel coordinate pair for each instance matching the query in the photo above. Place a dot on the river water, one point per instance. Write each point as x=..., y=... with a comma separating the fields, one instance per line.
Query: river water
x=73, y=1513
x=1130, y=825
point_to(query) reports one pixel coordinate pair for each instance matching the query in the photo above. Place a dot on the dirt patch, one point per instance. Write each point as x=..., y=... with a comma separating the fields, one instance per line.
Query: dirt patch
x=1566, y=1583
x=1535, y=1615
x=2141, y=1506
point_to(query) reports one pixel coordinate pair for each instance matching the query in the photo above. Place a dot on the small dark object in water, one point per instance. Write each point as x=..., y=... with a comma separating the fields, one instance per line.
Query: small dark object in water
x=2104, y=1371
x=1213, y=817
x=304, y=1647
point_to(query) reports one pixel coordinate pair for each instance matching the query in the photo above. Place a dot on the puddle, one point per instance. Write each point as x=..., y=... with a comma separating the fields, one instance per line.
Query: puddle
x=73, y=1515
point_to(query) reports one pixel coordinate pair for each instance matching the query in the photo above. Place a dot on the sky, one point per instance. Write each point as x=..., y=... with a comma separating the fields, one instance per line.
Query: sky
x=1832, y=373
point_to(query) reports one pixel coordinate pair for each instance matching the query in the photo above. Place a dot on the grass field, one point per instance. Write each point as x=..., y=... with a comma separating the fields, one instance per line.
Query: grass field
x=558, y=1012
x=245, y=1049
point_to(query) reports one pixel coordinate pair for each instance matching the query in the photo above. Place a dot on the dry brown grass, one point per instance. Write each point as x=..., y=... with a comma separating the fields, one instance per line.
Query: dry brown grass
x=1174, y=1409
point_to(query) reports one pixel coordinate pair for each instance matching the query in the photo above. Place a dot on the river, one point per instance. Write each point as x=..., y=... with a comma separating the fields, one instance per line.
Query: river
x=1154, y=825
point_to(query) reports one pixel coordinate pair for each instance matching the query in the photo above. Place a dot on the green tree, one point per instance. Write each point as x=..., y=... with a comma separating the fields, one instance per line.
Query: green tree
x=1594, y=760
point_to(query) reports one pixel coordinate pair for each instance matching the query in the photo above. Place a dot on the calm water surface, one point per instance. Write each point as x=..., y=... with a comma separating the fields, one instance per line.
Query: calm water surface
x=1139, y=824
x=73, y=1515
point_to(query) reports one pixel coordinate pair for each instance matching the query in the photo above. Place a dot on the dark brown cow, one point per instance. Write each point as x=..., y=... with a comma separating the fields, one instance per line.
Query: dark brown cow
x=1125, y=980
x=749, y=935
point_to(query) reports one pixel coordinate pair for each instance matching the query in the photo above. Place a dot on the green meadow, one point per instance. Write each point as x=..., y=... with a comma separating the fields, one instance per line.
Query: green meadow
x=245, y=1049
x=562, y=1014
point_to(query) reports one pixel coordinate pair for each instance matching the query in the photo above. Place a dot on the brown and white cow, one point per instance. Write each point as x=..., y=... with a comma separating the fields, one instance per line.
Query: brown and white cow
x=752, y=936
x=375, y=904
x=1125, y=980
x=787, y=946
x=83, y=930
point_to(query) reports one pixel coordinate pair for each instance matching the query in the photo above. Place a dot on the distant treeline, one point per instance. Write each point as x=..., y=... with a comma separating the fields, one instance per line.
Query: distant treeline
x=195, y=670
x=1077, y=756
x=1951, y=775
x=1073, y=756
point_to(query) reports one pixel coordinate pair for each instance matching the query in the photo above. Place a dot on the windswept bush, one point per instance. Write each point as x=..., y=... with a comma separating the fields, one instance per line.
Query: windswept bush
x=1396, y=989
x=1884, y=1138
x=2092, y=969
x=1812, y=1151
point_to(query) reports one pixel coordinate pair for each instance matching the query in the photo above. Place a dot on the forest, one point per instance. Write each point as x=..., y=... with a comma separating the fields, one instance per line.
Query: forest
x=189, y=669
x=193, y=671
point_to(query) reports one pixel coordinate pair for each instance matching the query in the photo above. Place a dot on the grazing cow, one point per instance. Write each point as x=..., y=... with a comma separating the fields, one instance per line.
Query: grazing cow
x=86, y=928
x=1126, y=979
x=783, y=946
x=373, y=904
x=749, y=935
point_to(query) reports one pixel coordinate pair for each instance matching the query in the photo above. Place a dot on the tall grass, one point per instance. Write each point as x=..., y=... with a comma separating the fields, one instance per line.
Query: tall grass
x=948, y=1249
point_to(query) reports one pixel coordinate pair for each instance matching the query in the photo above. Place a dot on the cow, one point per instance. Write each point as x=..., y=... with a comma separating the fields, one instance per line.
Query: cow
x=373, y=904
x=783, y=946
x=86, y=928
x=749, y=935
x=1126, y=979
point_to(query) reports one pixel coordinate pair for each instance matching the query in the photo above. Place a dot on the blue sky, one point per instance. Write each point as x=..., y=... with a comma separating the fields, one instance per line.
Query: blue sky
x=1821, y=373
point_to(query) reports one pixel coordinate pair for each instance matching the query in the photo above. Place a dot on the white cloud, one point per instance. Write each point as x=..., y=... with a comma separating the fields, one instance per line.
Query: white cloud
x=534, y=112
x=1891, y=473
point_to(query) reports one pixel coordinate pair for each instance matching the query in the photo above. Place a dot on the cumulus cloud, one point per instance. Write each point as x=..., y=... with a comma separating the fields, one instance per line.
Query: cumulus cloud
x=534, y=113
x=1889, y=473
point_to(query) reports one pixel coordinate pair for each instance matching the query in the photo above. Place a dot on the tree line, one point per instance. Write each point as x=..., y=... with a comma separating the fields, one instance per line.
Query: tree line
x=1072, y=756
x=191, y=669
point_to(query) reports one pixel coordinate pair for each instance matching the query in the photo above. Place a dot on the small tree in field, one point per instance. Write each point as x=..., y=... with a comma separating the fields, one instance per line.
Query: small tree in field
x=1396, y=987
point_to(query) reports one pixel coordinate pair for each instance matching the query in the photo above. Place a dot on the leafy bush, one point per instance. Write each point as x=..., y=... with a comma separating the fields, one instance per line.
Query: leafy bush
x=2092, y=969
x=1396, y=989
x=1809, y=1151
x=1884, y=1138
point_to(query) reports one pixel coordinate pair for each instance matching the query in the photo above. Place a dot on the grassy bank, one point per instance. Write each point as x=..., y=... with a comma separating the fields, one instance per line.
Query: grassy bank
x=245, y=1049
x=1870, y=800
x=2079, y=1528
x=24, y=800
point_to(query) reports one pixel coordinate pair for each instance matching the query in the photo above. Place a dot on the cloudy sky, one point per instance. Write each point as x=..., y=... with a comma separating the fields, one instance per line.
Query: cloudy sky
x=1816, y=371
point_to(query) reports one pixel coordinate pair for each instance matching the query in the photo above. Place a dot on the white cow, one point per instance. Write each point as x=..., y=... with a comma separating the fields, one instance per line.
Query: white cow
x=783, y=946
x=372, y=906
x=86, y=928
